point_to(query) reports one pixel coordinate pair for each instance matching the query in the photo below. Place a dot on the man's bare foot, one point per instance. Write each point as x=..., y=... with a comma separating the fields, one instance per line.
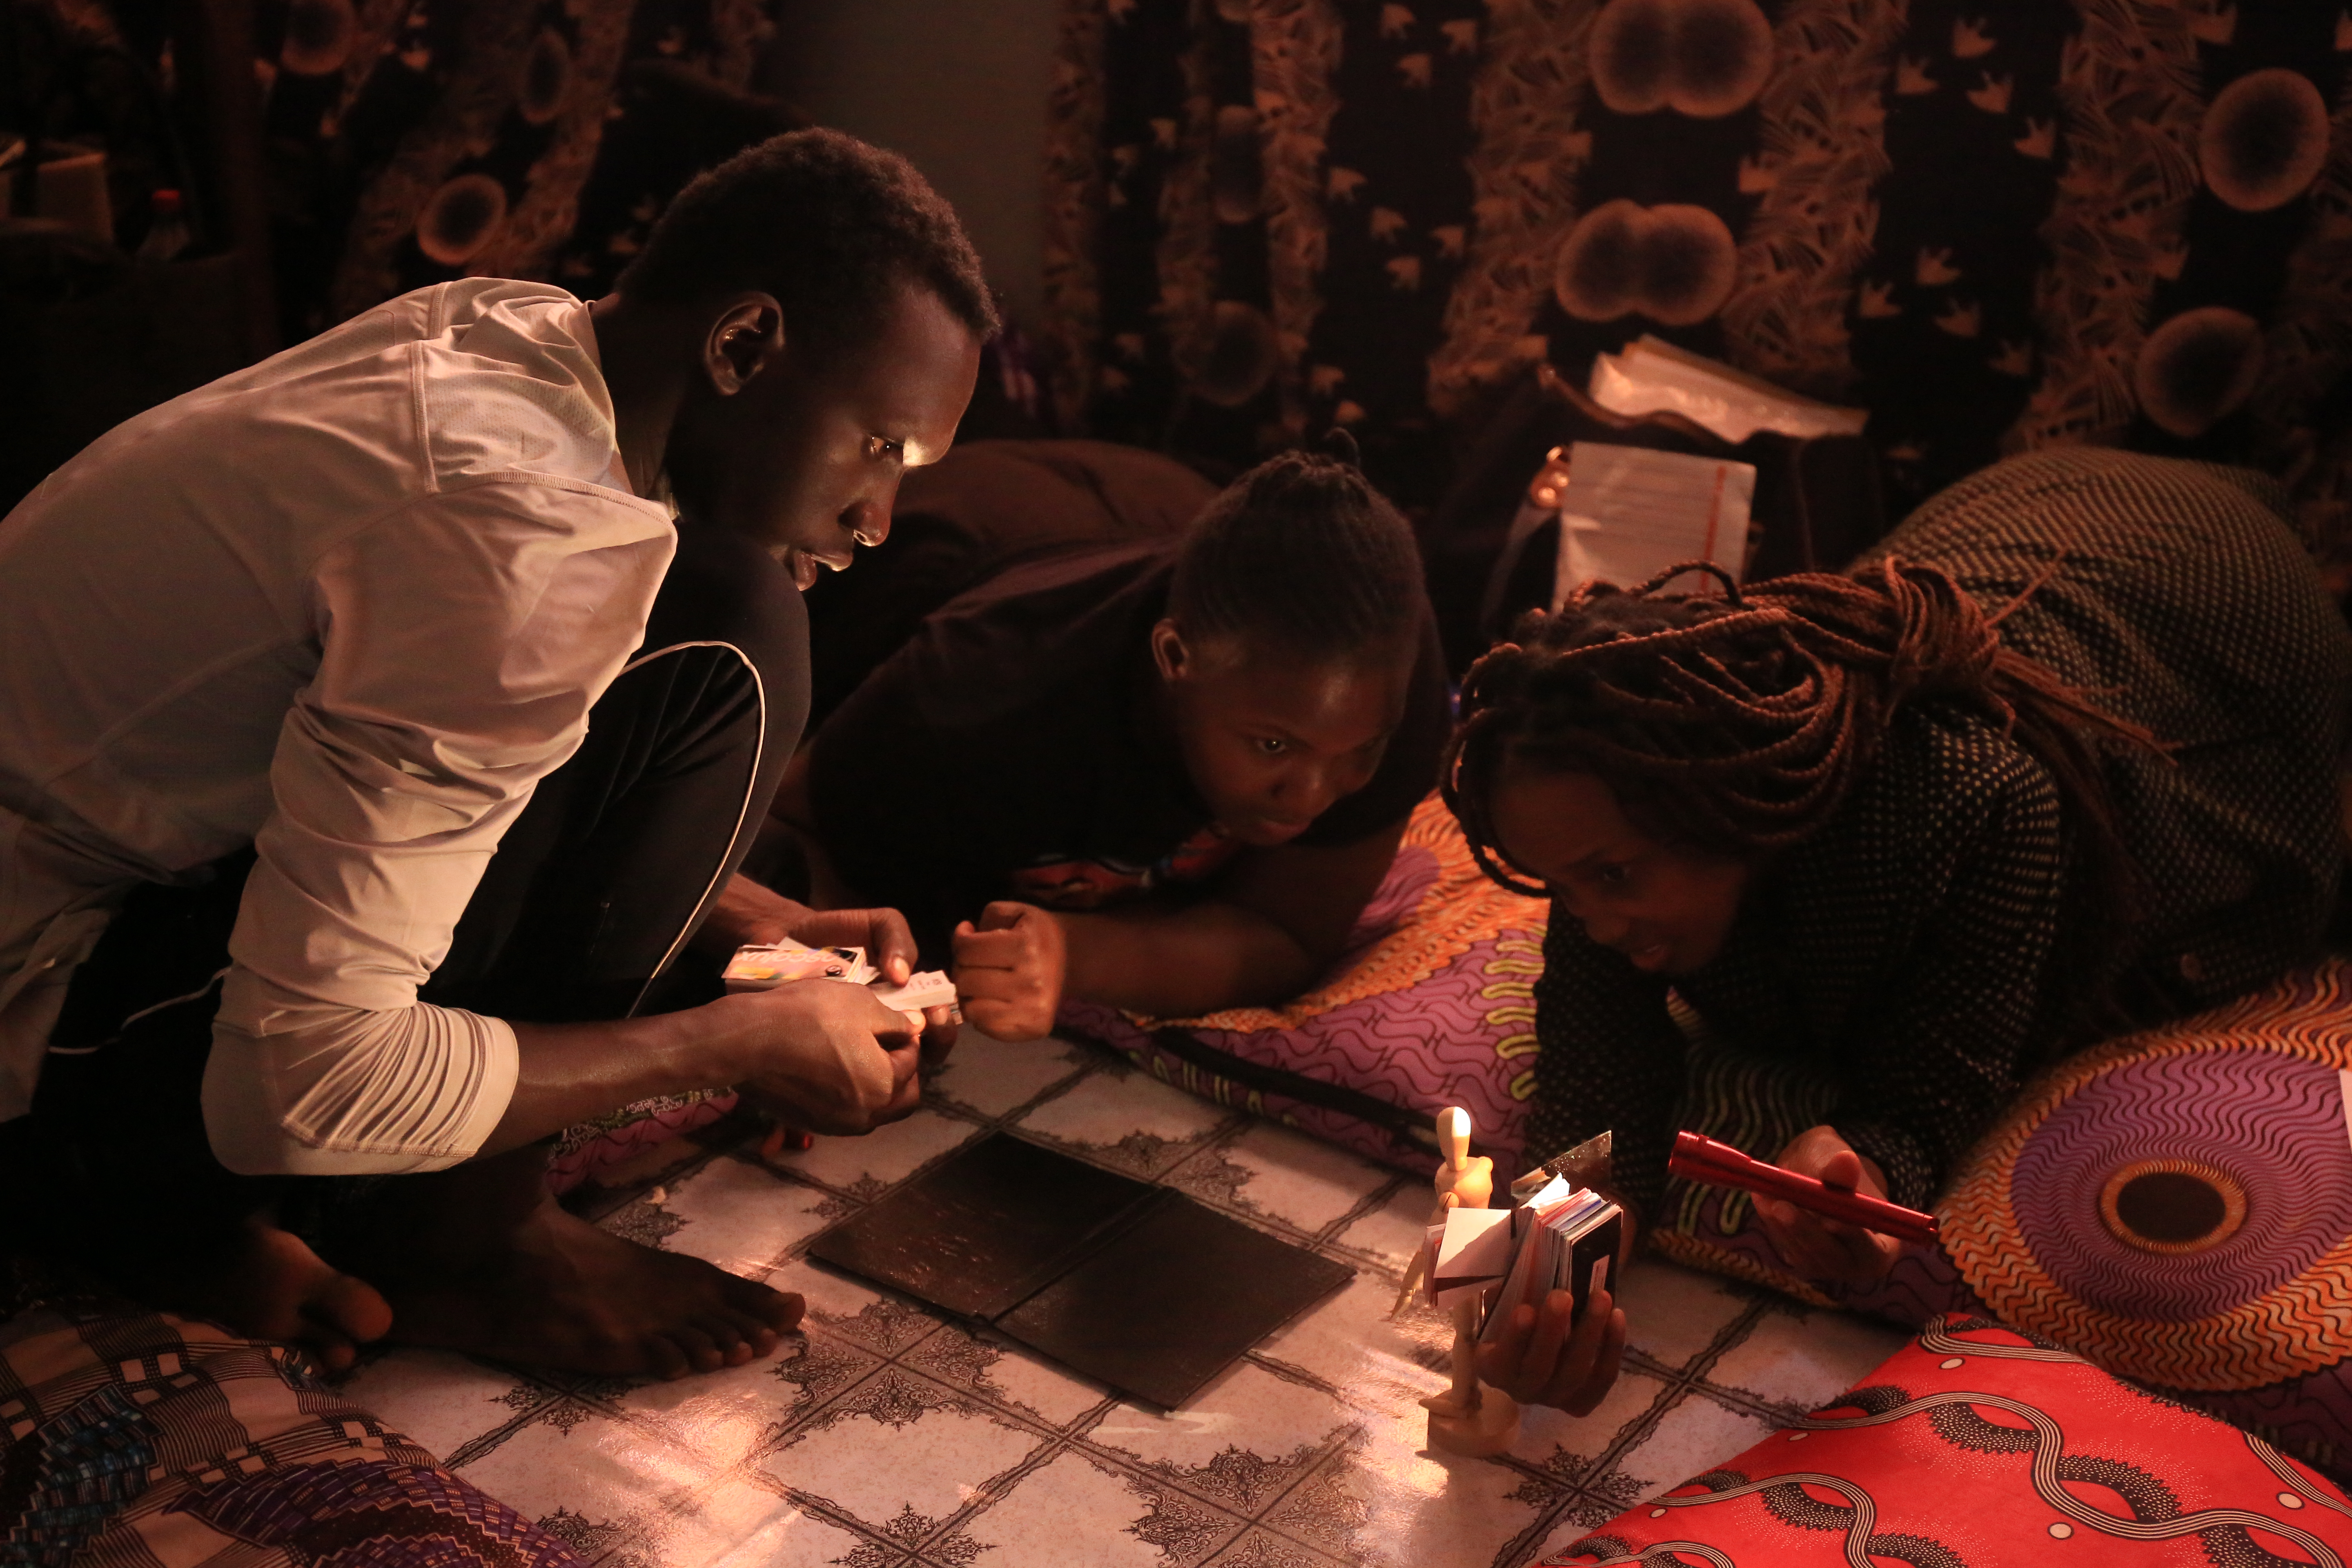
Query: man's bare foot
x=271, y=1286
x=554, y=1291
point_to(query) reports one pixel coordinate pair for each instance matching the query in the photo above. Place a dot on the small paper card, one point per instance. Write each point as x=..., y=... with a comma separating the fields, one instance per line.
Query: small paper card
x=930, y=988
x=762, y=968
x=1473, y=1252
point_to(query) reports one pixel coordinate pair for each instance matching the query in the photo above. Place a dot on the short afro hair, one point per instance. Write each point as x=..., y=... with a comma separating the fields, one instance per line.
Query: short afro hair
x=1301, y=555
x=828, y=224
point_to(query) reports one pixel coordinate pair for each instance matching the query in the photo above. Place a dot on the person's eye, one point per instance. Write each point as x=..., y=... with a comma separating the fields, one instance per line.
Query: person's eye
x=1613, y=875
x=878, y=447
x=1272, y=746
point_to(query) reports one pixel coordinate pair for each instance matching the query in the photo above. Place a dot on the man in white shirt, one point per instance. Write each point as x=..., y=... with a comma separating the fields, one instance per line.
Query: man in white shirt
x=286, y=662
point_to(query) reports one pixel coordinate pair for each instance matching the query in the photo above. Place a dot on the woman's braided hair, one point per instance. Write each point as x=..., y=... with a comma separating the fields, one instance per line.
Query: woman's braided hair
x=1739, y=723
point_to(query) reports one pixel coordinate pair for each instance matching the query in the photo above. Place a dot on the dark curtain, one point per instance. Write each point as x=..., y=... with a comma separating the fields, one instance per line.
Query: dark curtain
x=1997, y=224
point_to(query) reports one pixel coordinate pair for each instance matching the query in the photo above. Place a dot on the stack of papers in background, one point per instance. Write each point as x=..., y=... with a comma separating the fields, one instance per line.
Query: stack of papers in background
x=1653, y=377
x=1628, y=513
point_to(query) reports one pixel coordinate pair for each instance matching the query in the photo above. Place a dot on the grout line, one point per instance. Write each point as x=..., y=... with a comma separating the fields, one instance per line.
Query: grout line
x=1680, y=1384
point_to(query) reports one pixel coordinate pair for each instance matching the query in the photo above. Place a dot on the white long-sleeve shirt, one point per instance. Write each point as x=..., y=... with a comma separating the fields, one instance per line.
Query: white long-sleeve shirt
x=348, y=605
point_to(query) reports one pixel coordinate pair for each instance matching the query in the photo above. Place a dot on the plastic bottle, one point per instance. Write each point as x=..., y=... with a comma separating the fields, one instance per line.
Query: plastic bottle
x=167, y=231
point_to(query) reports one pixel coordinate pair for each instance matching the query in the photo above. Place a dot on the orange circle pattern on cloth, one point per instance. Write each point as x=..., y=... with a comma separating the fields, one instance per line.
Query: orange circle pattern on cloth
x=2244, y=1109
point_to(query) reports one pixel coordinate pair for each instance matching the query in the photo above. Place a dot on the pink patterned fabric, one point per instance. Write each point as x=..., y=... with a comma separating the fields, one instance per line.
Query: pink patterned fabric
x=1433, y=1006
x=592, y=1148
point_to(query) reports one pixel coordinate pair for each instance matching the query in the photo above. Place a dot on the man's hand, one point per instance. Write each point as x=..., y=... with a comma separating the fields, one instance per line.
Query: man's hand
x=1814, y=1245
x=1008, y=970
x=1540, y=1359
x=824, y=1056
x=749, y=915
x=890, y=945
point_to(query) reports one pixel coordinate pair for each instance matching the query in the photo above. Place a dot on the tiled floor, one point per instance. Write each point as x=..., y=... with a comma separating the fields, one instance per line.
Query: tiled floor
x=888, y=1436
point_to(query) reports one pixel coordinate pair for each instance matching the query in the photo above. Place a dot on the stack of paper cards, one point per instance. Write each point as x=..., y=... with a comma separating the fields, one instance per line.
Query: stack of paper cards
x=759, y=968
x=1561, y=1238
x=1566, y=1237
x=763, y=968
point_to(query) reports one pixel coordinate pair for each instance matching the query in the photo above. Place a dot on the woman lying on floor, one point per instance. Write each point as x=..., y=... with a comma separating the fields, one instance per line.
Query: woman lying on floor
x=1164, y=776
x=2058, y=758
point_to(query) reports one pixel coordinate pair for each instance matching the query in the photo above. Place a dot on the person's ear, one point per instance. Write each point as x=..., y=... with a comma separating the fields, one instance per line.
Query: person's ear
x=744, y=338
x=1169, y=653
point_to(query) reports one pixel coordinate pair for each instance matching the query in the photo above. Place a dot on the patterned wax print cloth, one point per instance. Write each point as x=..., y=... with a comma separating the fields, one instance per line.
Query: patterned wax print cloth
x=132, y=1440
x=1432, y=1006
x=2175, y=1205
x=1998, y=225
x=1976, y=1446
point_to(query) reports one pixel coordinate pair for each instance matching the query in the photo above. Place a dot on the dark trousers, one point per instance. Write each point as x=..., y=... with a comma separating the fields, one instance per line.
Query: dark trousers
x=580, y=916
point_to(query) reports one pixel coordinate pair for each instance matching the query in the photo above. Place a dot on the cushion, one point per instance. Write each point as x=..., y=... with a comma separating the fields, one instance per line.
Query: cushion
x=2175, y=1206
x=587, y=1150
x=133, y=1436
x=1980, y=1446
x=1432, y=1005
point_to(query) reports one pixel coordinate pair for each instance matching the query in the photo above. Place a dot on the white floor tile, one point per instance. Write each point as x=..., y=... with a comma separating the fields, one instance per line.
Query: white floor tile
x=874, y=1469
x=1350, y=1341
x=1248, y=1408
x=1394, y=1232
x=993, y=1077
x=1069, y=1512
x=1806, y=1363
x=1291, y=1178
x=884, y=1156
x=438, y=1400
x=1107, y=1110
x=720, y=1416
x=737, y=1525
x=1672, y=1312
x=1691, y=1439
x=741, y=1217
x=601, y=1469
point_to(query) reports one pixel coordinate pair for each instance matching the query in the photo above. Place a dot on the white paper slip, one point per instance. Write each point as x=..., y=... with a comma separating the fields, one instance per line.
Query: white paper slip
x=930, y=988
x=1476, y=1251
x=1653, y=376
x=1628, y=513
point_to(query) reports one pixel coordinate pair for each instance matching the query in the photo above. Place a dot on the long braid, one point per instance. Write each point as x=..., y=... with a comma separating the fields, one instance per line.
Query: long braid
x=1739, y=722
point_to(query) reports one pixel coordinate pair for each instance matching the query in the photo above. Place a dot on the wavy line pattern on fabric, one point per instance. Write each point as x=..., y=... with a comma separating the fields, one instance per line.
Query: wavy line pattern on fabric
x=2049, y=1446
x=2288, y=1332
x=2129, y=83
x=1523, y=180
x=1815, y=227
x=2276, y=1464
x=1458, y=908
x=2274, y=1123
x=1294, y=46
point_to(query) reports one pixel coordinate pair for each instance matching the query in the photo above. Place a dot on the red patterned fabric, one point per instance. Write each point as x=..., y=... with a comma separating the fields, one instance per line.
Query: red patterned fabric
x=1976, y=1446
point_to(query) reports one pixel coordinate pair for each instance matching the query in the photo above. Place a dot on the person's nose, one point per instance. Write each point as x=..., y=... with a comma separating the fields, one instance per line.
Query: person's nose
x=1607, y=928
x=868, y=520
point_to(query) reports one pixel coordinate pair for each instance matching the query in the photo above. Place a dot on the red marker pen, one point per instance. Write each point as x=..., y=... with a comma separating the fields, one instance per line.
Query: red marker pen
x=1697, y=1158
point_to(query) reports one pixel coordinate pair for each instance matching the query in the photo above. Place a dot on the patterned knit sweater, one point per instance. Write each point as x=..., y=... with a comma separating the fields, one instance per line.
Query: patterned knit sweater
x=1916, y=959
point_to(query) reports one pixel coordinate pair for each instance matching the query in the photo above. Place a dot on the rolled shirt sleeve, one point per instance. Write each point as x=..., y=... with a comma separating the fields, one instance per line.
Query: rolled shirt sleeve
x=463, y=638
